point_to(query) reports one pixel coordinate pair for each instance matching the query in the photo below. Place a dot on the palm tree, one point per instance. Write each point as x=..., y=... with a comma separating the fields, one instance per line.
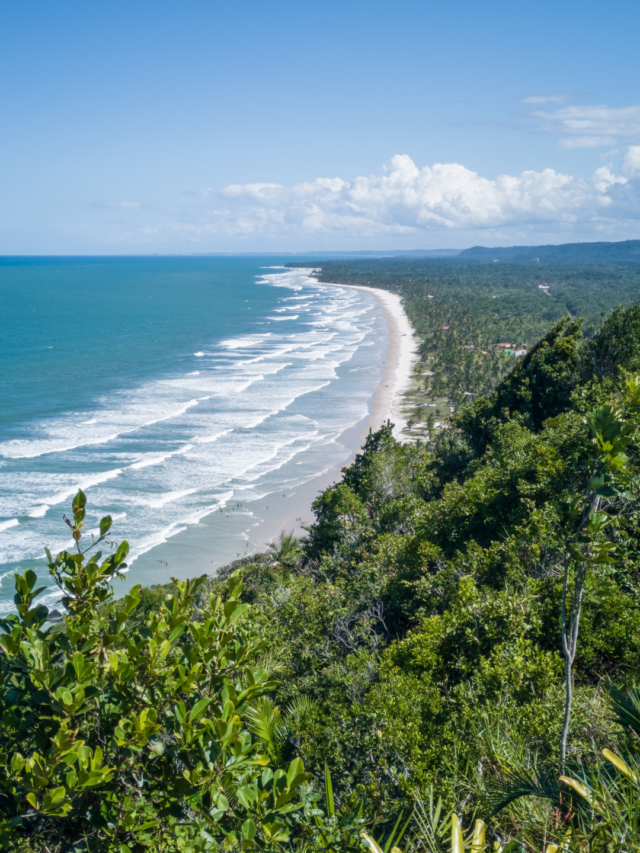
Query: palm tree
x=286, y=550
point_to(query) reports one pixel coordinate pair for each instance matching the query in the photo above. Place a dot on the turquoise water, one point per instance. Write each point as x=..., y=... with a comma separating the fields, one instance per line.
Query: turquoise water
x=168, y=388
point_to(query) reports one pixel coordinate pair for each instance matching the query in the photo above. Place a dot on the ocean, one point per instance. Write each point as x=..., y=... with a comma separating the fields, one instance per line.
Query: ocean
x=174, y=391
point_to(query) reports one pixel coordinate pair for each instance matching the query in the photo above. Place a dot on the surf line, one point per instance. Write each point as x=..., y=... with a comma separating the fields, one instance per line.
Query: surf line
x=402, y=356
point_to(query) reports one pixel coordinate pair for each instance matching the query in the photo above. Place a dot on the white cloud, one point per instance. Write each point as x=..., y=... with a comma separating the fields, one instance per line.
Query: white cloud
x=603, y=178
x=591, y=126
x=631, y=161
x=404, y=199
x=544, y=99
x=120, y=205
x=586, y=141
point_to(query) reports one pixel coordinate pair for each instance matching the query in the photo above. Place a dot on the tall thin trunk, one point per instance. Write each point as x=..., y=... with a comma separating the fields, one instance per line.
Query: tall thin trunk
x=570, y=633
x=569, y=646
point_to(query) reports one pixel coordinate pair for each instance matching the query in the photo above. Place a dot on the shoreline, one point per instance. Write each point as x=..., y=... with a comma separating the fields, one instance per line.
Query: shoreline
x=402, y=355
x=293, y=510
x=258, y=523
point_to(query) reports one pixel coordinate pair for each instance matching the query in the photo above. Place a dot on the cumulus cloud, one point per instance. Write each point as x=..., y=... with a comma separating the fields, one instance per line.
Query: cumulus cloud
x=404, y=199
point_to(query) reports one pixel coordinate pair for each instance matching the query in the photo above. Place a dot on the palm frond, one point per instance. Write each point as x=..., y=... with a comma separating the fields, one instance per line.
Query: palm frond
x=299, y=708
x=433, y=826
x=626, y=707
x=265, y=722
x=522, y=783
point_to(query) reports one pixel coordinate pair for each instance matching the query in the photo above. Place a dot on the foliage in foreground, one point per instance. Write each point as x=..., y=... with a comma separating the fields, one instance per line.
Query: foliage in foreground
x=123, y=738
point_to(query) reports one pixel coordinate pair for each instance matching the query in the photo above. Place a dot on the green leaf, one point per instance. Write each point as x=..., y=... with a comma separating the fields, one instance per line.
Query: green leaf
x=105, y=525
x=121, y=553
x=177, y=632
x=146, y=825
x=248, y=830
x=198, y=708
x=222, y=803
x=328, y=790
x=233, y=611
x=78, y=663
x=295, y=769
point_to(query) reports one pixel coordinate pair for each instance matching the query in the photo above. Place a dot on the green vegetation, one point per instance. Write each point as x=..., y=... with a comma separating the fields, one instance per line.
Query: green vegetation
x=462, y=310
x=112, y=735
x=439, y=652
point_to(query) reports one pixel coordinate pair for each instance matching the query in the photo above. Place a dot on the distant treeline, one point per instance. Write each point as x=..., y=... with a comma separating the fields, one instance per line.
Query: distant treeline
x=627, y=251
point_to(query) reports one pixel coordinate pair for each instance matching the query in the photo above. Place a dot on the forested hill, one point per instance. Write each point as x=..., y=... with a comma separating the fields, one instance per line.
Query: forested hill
x=535, y=294
x=627, y=251
x=417, y=647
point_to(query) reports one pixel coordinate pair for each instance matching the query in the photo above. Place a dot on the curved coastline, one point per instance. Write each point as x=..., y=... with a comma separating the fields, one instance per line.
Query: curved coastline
x=290, y=512
x=402, y=355
x=295, y=510
x=190, y=542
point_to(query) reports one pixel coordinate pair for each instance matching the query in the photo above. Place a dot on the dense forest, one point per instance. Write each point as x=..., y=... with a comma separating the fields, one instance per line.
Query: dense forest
x=463, y=310
x=455, y=644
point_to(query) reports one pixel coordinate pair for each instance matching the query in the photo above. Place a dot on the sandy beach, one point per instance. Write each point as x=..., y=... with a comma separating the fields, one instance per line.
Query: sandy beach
x=256, y=524
x=288, y=512
x=402, y=354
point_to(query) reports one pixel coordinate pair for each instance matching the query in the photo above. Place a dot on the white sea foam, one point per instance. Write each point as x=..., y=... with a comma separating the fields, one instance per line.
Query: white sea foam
x=174, y=450
x=5, y=525
x=209, y=439
x=245, y=341
x=38, y=511
x=169, y=497
x=150, y=460
x=84, y=484
x=21, y=449
x=174, y=529
x=147, y=463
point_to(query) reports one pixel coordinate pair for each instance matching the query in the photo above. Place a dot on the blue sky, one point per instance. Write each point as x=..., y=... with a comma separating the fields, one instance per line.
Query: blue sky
x=247, y=126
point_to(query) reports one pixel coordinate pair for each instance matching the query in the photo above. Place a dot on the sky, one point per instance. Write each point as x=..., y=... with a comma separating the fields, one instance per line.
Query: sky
x=249, y=126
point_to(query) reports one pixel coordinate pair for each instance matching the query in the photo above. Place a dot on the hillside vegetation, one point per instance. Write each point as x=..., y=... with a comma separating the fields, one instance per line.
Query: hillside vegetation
x=420, y=645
